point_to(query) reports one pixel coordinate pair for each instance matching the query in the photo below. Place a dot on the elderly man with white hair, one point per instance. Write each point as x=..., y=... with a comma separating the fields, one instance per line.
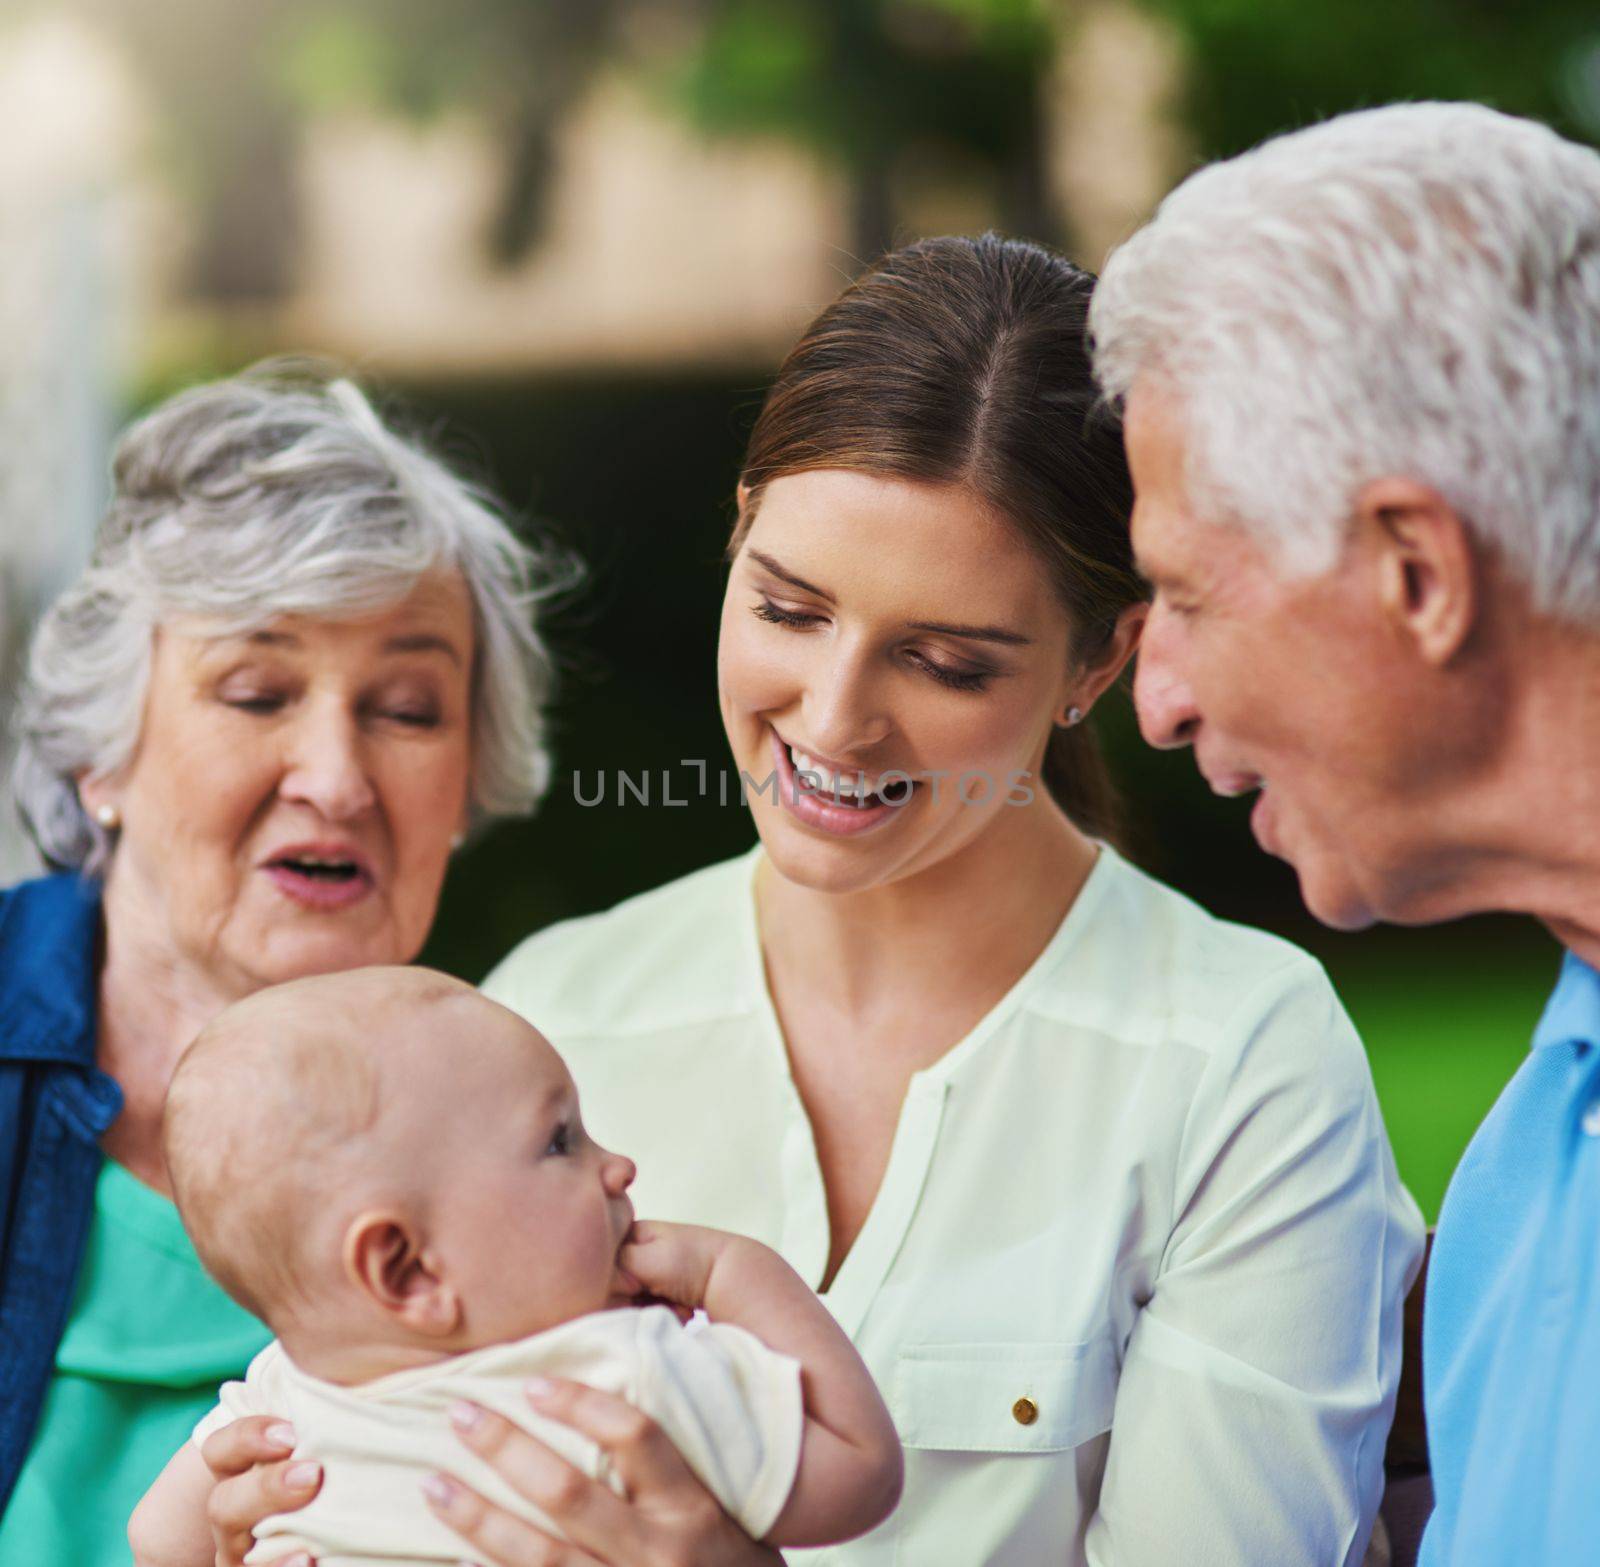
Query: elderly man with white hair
x=1361, y=373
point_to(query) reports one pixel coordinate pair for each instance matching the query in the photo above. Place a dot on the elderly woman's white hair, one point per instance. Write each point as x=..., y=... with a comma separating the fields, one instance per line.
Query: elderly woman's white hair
x=1408, y=291
x=268, y=494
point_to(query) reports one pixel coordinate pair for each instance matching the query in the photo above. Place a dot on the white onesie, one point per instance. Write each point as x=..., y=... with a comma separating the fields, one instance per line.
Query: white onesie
x=731, y=1406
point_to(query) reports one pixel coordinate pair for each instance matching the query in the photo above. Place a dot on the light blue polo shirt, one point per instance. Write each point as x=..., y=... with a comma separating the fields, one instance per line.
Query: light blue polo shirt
x=1511, y=1332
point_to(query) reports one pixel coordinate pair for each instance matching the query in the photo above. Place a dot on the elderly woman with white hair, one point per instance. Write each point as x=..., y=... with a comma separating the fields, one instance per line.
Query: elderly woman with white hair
x=1361, y=371
x=298, y=668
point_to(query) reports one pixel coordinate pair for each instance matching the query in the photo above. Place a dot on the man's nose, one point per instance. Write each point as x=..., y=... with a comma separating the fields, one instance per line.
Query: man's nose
x=326, y=766
x=1168, y=716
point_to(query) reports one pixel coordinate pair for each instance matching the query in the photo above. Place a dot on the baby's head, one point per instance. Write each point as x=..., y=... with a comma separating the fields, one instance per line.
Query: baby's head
x=386, y=1156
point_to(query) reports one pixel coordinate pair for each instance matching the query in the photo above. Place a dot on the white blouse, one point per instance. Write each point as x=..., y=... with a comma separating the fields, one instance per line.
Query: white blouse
x=1132, y=1284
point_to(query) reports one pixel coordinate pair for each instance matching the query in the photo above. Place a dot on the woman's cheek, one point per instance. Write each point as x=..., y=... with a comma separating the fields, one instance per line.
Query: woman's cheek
x=996, y=757
x=755, y=674
x=426, y=803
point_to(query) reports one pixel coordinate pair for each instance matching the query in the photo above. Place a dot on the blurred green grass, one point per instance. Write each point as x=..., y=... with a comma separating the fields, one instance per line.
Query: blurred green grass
x=1445, y=1027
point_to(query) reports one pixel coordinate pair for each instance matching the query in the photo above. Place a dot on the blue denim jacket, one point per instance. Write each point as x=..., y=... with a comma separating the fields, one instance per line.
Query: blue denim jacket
x=54, y=1105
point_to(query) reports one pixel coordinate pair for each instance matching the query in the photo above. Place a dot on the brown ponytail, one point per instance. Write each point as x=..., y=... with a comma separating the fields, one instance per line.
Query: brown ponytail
x=966, y=361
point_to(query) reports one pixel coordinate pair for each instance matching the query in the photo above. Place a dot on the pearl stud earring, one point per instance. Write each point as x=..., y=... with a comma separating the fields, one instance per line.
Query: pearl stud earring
x=1073, y=715
x=108, y=816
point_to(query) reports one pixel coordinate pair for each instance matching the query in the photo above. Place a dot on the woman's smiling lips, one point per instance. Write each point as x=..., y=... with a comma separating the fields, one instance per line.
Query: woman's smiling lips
x=322, y=876
x=813, y=808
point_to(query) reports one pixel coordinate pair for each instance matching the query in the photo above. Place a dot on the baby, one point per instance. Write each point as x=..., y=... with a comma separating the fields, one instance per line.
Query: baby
x=389, y=1169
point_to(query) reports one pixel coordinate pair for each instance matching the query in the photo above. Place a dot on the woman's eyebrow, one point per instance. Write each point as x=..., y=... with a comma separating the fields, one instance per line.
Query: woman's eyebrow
x=972, y=633
x=975, y=633
x=788, y=576
x=407, y=642
x=423, y=642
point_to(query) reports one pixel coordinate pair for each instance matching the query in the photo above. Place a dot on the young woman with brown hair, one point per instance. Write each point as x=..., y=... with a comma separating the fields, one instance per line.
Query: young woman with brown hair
x=1096, y=1182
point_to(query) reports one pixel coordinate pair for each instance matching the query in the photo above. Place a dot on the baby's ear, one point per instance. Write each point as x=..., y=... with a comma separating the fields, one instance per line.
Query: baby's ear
x=385, y=1257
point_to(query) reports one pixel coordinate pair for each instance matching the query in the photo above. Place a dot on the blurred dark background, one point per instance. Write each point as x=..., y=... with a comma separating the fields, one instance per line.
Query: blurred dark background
x=569, y=242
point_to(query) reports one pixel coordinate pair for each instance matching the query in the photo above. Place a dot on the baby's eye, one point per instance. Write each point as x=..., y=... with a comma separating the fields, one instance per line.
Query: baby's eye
x=560, y=1140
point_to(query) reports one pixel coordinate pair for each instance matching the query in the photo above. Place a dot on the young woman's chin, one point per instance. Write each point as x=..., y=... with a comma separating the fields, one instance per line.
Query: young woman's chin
x=901, y=848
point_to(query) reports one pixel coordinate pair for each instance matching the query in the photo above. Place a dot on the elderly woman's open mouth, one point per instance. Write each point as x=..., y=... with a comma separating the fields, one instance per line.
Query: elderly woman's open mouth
x=321, y=875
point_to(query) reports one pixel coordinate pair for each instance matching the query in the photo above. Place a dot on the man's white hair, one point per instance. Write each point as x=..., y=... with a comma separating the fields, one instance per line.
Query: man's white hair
x=1410, y=291
x=271, y=494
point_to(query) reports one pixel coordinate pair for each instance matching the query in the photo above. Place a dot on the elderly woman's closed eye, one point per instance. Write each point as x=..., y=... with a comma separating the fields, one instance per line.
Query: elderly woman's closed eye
x=297, y=670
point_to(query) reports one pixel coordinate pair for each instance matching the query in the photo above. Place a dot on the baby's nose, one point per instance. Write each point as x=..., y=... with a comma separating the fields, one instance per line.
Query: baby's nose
x=621, y=1172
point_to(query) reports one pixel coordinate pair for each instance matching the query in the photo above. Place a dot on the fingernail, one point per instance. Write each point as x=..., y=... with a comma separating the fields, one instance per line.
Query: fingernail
x=464, y=1416
x=538, y=1387
x=440, y=1491
x=282, y=1435
x=301, y=1477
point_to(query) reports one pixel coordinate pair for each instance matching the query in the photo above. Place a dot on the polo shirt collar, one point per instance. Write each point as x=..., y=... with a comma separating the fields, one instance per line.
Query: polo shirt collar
x=1572, y=1014
x=49, y=932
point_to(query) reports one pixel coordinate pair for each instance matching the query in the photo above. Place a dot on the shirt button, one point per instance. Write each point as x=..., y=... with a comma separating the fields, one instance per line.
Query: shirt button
x=1591, y=1119
x=1024, y=1411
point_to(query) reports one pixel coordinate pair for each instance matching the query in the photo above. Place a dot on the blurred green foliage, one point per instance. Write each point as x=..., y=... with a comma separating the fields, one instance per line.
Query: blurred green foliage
x=871, y=84
x=519, y=67
x=1446, y=1016
x=1262, y=66
x=875, y=86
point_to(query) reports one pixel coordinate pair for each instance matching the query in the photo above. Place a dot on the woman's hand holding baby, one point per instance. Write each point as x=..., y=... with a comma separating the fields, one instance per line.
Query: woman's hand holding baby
x=256, y=1476
x=669, y=1519
x=850, y=1461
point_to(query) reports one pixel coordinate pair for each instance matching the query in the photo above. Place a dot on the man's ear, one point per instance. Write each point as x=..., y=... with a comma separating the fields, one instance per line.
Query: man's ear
x=385, y=1257
x=1429, y=572
x=1090, y=682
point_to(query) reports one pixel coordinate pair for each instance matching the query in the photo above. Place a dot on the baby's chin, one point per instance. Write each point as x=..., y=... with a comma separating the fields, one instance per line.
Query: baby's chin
x=625, y=1291
x=628, y=1294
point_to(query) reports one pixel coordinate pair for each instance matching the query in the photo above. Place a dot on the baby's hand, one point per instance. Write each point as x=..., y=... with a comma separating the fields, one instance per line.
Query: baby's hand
x=673, y=1261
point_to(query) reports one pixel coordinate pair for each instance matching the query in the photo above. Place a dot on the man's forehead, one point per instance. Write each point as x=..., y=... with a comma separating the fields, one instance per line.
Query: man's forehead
x=1154, y=432
x=1162, y=542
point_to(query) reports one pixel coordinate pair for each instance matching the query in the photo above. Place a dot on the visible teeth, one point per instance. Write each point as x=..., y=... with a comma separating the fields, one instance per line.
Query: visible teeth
x=321, y=866
x=849, y=786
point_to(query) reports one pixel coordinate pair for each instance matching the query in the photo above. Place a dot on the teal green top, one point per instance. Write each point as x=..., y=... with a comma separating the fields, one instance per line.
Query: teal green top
x=148, y=1340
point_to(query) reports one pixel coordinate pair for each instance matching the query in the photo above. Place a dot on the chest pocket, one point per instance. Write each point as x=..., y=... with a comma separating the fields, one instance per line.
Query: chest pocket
x=1020, y=1397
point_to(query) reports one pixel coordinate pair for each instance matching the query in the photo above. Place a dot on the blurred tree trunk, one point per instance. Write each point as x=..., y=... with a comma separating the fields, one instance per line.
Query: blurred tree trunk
x=245, y=250
x=231, y=135
x=872, y=209
x=1027, y=200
